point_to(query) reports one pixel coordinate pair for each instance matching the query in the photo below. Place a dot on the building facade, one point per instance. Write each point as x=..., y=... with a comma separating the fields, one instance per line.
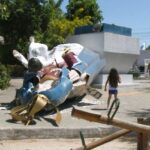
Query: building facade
x=113, y=43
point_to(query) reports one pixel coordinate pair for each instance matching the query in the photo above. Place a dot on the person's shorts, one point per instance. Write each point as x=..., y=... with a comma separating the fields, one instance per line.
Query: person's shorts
x=113, y=91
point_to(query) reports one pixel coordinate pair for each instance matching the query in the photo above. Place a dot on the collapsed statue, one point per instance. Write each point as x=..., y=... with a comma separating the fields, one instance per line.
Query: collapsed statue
x=52, y=76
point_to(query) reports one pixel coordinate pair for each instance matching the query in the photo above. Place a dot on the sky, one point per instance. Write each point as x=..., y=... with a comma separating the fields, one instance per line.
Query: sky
x=128, y=13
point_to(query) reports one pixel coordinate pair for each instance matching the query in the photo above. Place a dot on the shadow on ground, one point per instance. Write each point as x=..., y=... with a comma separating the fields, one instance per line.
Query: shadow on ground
x=143, y=113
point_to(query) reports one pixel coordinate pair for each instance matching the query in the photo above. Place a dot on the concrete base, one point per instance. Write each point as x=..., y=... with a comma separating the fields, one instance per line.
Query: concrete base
x=126, y=79
x=51, y=133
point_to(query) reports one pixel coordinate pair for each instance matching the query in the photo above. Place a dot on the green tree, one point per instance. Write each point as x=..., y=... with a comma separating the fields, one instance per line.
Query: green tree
x=42, y=19
x=148, y=48
x=59, y=29
x=4, y=77
x=19, y=19
x=82, y=8
x=4, y=13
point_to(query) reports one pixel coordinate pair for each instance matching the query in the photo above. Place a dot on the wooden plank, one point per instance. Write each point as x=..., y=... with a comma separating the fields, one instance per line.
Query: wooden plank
x=94, y=117
x=142, y=139
x=105, y=139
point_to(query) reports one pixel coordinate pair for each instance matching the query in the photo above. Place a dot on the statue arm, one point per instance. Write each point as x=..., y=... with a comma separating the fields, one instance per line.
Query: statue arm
x=21, y=58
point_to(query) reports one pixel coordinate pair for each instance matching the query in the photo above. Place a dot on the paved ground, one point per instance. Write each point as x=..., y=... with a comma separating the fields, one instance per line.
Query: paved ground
x=135, y=102
x=124, y=143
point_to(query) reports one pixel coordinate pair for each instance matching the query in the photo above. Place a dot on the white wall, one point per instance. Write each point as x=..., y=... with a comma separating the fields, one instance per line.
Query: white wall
x=116, y=43
x=92, y=41
x=118, y=50
x=126, y=79
x=123, y=62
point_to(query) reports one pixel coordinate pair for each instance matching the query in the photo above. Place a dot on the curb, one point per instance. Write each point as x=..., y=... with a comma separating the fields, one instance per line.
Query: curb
x=51, y=133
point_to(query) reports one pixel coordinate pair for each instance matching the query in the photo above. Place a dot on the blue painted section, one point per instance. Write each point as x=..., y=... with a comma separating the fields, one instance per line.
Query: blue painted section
x=116, y=29
x=84, y=29
x=112, y=28
x=89, y=61
x=26, y=92
x=58, y=94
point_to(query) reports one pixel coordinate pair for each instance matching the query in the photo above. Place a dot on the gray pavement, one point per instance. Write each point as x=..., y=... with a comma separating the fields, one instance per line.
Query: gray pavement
x=134, y=99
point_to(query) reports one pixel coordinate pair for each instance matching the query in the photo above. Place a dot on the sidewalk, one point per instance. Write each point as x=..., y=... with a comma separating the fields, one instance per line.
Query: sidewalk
x=134, y=102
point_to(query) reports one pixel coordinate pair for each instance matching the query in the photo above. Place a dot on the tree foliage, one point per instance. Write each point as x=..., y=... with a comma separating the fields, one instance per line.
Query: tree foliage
x=83, y=8
x=4, y=13
x=19, y=19
x=4, y=77
x=148, y=48
x=43, y=19
x=27, y=17
x=59, y=29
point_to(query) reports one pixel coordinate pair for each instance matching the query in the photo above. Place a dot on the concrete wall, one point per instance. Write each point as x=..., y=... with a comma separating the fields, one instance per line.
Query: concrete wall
x=117, y=43
x=123, y=62
x=92, y=41
x=119, y=51
x=126, y=79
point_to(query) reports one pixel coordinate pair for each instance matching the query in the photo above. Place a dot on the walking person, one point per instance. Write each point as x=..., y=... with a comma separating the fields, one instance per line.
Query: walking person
x=112, y=80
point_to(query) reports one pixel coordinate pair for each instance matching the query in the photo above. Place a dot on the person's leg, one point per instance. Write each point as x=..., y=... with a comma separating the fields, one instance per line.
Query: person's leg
x=108, y=100
x=115, y=96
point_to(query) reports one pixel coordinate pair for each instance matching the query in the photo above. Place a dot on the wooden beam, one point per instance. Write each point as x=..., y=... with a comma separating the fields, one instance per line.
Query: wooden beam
x=142, y=139
x=105, y=139
x=94, y=117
